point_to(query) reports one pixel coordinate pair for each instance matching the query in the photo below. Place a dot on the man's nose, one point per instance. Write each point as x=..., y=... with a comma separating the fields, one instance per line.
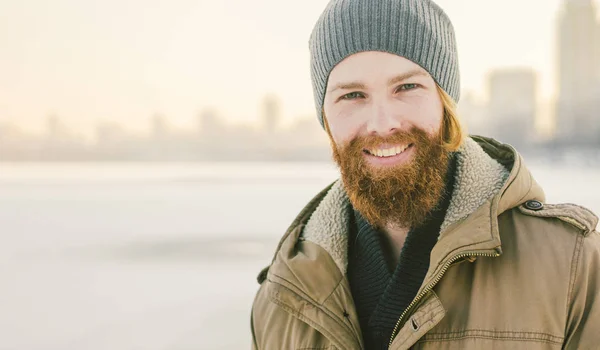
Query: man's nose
x=383, y=121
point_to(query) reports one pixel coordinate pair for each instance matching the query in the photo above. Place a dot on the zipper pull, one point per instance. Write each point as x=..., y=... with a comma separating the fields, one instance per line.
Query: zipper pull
x=471, y=258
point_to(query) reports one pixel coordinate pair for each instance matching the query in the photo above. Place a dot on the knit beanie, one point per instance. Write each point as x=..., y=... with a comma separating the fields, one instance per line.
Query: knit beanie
x=417, y=30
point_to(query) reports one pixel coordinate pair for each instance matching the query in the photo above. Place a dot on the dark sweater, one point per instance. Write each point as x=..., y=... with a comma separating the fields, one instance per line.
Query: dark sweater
x=381, y=295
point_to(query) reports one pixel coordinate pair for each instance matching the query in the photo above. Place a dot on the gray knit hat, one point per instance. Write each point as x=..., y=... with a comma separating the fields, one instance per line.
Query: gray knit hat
x=418, y=30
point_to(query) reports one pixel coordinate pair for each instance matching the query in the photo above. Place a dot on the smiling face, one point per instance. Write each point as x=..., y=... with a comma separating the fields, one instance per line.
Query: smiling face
x=384, y=115
x=374, y=95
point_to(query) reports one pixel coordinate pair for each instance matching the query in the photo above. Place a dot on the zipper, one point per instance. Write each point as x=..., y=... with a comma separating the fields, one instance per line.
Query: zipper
x=435, y=281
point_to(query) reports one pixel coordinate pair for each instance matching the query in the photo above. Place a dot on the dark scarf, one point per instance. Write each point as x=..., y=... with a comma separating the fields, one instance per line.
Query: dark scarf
x=381, y=294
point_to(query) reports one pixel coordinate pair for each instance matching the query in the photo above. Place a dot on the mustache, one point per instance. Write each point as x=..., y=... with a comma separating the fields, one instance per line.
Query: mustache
x=367, y=142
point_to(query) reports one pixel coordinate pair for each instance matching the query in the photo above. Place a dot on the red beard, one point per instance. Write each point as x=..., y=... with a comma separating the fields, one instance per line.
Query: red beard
x=394, y=195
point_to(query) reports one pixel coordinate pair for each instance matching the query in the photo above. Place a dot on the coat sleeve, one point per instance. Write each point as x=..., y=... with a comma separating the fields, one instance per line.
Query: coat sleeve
x=254, y=346
x=583, y=313
x=252, y=321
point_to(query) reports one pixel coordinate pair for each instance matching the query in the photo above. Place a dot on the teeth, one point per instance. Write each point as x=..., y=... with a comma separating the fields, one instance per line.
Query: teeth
x=388, y=152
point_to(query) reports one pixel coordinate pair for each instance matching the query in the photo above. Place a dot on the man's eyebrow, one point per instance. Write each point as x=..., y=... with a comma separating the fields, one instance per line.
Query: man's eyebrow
x=394, y=80
x=349, y=86
x=407, y=75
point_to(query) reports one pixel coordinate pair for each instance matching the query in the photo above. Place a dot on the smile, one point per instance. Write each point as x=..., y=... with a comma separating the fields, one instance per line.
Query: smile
x=385, y=152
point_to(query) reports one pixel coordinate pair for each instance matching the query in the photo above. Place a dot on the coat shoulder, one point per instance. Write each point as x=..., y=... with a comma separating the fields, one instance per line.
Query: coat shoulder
x=298, y=223
x=581, y=218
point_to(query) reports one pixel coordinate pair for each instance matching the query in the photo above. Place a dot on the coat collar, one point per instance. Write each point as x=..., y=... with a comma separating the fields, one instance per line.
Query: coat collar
x=482, y=172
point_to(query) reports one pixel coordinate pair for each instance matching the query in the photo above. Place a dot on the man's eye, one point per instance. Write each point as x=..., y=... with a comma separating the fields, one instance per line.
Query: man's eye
x=352, y=96
x=408, y=86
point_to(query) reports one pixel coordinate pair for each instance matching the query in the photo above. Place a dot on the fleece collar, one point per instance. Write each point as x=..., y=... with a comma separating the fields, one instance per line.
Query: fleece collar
x=478, y=177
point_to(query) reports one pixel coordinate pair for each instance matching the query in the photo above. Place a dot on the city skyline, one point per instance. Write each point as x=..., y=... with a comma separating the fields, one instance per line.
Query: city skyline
x=91, y=63
x=509, y=117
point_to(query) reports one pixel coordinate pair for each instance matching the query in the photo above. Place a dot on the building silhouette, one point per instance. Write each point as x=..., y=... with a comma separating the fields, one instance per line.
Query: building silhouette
x=474, y=114
x=271, y=113
x=109, y=132
x=209, y=123
x=160, y=128
x=55, y=128
x=578, y=104
x=512, y=105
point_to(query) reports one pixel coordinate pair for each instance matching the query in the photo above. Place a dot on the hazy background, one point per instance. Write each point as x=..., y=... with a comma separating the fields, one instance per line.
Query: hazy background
x=152, y=153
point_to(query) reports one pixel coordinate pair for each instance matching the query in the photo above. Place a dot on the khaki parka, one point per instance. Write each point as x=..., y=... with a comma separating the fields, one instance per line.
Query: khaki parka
x=509, y=271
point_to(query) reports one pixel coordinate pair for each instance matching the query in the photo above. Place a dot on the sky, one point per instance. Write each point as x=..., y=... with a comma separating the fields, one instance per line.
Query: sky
x=125, y=60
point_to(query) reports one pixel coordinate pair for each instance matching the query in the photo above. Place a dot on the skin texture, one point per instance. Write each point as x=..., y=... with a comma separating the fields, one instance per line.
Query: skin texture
x=380, y=101
x=378, y=108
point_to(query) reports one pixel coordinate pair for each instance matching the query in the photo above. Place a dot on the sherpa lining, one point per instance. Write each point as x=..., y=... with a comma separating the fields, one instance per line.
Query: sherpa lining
x=478, y=177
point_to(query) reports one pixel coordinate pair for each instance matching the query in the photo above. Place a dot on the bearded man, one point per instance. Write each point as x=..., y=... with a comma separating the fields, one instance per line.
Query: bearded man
x=431, y=239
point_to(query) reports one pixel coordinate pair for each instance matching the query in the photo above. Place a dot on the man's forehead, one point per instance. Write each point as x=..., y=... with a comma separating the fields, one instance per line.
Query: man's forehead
x=373, y=65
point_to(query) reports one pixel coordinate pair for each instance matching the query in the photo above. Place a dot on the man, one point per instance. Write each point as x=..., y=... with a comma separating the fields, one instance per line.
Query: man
x=431, y=239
